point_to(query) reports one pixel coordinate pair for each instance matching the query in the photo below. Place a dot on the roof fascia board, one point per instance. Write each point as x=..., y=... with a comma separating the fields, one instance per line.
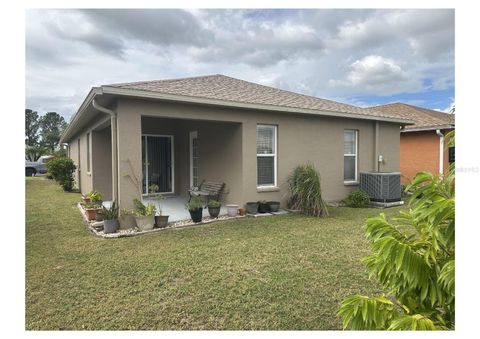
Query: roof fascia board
x=430, y=128
x=86, y=102
x=217, y=102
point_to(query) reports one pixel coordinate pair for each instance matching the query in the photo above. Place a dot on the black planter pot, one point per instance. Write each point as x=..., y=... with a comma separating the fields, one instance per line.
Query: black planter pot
x=161, y=221
x=196, y=215
x=252, y=207
x=274, y=206
x=110, y=226
x=263, y=208
x=214, y=211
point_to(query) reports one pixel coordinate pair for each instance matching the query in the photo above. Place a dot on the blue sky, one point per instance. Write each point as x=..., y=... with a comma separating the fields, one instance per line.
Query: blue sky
x=361, y=57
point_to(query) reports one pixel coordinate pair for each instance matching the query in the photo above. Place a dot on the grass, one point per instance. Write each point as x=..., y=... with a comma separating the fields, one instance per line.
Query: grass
x=282, y=272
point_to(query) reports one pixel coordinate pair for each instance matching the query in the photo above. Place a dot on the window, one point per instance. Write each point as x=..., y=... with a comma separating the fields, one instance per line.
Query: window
x=350, y=147
x=451, y=154
x=266, y=155
x=88, y=152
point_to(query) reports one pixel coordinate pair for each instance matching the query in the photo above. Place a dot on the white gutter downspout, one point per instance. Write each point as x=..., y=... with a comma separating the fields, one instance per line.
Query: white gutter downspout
x=442, y=141
x=113, y=119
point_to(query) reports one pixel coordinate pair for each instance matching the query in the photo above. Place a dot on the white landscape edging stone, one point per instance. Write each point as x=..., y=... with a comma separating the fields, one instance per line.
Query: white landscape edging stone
x=96, y=227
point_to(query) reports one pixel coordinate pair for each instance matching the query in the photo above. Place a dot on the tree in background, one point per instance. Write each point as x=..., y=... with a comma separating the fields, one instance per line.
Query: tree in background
x=413, y=258
x=52, y=125
x=32, y=126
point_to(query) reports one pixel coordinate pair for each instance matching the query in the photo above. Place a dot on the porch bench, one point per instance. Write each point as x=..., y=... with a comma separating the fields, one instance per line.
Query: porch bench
x=208, y=189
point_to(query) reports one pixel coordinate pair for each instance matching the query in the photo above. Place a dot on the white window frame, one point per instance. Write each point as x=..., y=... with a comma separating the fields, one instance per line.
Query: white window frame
x=274, y=155
x=351, y=155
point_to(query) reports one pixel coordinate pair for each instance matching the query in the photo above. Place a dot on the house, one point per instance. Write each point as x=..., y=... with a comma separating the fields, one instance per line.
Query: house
x=422, y=145
x=176, y=133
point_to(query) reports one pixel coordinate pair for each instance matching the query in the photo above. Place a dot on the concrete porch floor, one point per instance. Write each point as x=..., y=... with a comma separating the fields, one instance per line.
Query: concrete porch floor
x=174, y=207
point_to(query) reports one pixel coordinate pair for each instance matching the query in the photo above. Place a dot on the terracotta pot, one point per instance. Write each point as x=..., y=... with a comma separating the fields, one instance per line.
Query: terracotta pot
x=91, y=213
x=242, y=211
x=86, y=200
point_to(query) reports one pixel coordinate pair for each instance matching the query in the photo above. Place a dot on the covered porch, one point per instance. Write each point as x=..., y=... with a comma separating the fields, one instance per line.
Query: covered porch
x=178, y=154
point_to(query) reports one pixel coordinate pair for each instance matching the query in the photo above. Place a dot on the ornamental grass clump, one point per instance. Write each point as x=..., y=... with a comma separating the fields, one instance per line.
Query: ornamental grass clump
x=305, y=191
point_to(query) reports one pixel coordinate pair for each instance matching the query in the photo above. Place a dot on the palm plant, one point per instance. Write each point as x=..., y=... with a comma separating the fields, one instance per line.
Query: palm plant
x=413, y=257
x=306, y=192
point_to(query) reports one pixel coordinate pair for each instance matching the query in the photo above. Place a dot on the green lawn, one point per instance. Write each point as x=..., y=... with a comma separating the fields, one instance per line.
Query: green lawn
x=282, y=272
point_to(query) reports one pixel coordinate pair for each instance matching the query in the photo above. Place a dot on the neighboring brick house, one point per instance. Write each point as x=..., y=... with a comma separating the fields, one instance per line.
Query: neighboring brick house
x=420, y=144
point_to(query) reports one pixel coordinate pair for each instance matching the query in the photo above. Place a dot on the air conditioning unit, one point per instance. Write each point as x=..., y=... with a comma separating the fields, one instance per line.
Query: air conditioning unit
x=381, y=186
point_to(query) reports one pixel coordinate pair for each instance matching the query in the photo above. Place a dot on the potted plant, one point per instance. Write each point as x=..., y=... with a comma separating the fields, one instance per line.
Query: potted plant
x=214, y=208
x=232, y=210
x=95, y=197
x=153, y=188
x=252, y=207
x=110, y=222
x=126, y=219
x=144, y=215
x=91, y=211
x=263, y=207
x=86, y=199
x=195, y=207
x=161, y=220
x=273, y=206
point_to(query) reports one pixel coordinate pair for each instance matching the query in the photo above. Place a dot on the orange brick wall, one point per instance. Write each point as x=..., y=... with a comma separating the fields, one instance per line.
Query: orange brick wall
x=419, y=152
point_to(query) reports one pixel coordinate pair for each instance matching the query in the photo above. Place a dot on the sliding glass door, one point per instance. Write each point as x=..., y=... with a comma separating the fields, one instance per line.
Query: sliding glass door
x=157, y=159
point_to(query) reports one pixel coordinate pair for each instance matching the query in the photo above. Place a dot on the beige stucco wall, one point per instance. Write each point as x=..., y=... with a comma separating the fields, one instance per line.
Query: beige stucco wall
x=389, y=147
x=301, y=139
x=101, y=166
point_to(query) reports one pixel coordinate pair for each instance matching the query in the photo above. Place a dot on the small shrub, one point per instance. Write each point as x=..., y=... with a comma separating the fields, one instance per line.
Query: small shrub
x=95, y=196
x=214, y=203
x=142, y=210
x=61, y=169
x=306, y=191
x=357, y=199
x=194, y=204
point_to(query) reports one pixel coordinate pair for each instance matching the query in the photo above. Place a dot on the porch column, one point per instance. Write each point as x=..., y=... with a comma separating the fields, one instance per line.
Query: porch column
x=129, y=132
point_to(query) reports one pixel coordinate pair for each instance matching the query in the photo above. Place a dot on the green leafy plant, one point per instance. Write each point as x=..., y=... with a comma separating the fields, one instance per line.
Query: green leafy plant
x=305, y=191
x=212, y=203
x=142, y=210
x=91, y=206
x=194, y=204
x=153, y=188
x=95, y=196
x=61, y=169
x=110, y=213
x=413, y=257
x=357, y=199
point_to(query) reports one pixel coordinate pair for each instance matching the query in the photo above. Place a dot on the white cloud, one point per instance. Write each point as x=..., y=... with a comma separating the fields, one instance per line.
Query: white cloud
x=377, y=52
x=375, y=74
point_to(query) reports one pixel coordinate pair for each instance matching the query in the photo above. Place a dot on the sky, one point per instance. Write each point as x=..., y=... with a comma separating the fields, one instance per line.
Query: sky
x=360, y=57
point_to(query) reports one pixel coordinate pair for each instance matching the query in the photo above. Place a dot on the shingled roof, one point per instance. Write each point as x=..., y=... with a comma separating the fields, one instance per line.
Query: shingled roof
x=425, y=119
x=227, y=89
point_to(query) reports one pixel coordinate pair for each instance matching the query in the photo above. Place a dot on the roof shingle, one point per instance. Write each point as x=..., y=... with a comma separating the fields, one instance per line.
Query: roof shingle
x=423, y=118
x=221, y=87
